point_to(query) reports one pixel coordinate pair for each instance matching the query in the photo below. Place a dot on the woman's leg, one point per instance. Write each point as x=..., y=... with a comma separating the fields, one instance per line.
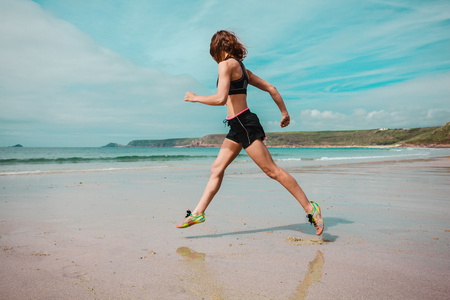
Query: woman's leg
x=261, y=156
x=259, y=153
x=228, y=152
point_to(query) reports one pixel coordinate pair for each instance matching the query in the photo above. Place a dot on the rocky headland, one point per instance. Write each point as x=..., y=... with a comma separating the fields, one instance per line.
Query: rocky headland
x=436, y=137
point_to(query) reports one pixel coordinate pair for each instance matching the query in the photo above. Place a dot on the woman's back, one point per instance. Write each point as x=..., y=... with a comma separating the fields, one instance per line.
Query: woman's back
x=237, y=97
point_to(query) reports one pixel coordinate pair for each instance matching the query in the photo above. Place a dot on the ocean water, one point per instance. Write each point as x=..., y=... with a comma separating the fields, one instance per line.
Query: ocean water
x=23, y=161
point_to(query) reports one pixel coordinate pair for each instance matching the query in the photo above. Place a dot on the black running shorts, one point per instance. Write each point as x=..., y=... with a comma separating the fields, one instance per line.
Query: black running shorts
x=245, y=128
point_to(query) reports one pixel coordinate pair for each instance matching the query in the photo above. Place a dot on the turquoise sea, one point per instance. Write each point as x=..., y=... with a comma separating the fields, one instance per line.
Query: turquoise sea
x=15, y=161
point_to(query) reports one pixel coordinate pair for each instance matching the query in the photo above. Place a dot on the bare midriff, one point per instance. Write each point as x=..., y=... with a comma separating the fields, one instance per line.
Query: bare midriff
x=236, y=104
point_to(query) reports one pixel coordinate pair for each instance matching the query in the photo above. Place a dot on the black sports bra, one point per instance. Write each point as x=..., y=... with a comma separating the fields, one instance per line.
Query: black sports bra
x=238, y=86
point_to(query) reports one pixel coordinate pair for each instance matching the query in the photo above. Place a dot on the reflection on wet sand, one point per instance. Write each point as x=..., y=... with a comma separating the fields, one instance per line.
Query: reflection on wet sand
x=189, y=254
x=198, y=280
x=314, y=274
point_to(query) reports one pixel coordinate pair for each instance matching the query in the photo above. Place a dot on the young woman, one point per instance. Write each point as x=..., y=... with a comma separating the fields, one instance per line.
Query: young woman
x=245, y=129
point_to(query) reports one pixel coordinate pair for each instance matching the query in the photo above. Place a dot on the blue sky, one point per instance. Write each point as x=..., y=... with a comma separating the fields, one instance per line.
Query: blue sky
x=90, y=72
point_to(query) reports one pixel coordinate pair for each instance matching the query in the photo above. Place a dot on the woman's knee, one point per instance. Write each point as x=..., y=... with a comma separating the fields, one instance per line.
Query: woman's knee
x=217, y=170
x=273, y=172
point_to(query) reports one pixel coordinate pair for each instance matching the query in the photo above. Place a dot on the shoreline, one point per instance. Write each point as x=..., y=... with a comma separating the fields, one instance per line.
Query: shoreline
x=305, y=163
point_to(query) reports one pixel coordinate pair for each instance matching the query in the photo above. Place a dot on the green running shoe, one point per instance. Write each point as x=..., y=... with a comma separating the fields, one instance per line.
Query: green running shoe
x=315, y=218
x=191, y=220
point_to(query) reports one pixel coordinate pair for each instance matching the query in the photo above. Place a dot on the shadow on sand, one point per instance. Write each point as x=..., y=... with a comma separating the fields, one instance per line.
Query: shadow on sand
x=304, y=228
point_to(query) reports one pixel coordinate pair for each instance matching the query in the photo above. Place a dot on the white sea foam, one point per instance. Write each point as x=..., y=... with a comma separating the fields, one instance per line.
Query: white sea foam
x=46, y=172
x=373, y=157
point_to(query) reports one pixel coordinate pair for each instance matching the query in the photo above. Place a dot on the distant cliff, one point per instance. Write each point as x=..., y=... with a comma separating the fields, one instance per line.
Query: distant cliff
x=114, y=145
x=383, y=137
x=161, y=143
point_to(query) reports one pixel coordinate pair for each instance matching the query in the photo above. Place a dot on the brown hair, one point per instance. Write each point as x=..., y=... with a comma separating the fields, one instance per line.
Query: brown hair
x=226, y=41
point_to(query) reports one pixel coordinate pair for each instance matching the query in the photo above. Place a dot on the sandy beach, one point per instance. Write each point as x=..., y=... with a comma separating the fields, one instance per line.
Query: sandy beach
x=112, y=235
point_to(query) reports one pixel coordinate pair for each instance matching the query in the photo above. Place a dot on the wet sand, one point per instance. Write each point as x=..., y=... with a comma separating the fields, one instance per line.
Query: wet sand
x=112, y=235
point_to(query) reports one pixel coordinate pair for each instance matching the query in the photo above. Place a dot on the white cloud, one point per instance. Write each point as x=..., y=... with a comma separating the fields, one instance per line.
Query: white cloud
x=325, y=115
x=53, y=78
x=375, y=114
x=274, y=126
x=438, y=114
x=423, y=101
x=316, y=120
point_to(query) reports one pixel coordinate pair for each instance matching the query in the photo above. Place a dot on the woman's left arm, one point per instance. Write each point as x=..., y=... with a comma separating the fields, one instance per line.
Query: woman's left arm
x=223, y=86
x=267, y=87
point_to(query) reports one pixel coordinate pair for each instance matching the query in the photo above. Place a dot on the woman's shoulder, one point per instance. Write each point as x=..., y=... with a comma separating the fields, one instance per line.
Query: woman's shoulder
x=229, y=64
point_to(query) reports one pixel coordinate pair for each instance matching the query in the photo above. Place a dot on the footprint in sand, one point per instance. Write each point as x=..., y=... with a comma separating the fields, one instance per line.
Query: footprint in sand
x=301, y=242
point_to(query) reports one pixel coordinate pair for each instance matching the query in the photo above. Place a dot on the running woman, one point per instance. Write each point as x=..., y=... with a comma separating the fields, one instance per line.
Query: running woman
x=245, y=129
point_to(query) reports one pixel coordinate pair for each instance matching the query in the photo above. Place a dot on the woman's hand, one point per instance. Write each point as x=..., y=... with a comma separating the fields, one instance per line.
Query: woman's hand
x=285, y=120
x=189, y=97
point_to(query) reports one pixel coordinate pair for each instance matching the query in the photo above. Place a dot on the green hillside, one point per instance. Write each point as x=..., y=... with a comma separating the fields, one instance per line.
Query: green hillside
x=375, y=137
x=162, y=143
x=423, y=137
x=389, y=137
x=439, y=136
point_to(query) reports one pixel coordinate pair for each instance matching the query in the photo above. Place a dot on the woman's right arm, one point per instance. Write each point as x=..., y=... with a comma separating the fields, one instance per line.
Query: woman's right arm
x=267, y=87
x=222, y=89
